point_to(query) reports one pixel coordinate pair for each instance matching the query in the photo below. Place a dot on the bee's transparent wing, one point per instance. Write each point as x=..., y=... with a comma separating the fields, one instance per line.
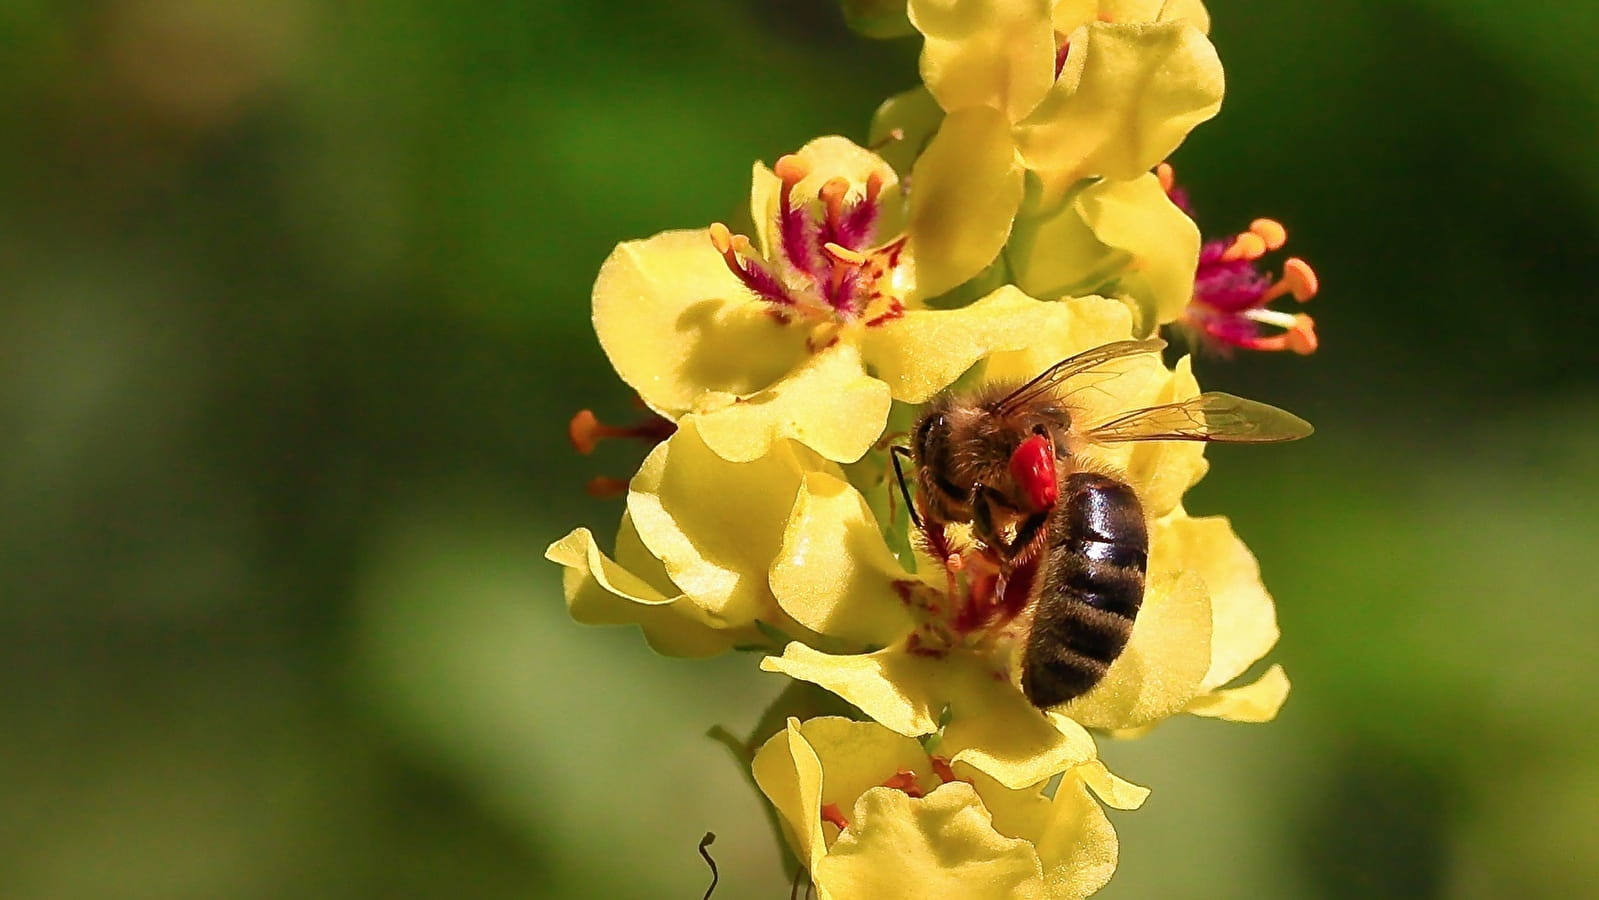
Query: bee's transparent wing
x=1211, y=416
x=1072, y=367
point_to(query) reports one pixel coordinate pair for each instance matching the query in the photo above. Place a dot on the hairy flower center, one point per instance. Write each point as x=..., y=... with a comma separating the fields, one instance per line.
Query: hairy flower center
x=977, y=606
x=823, y=269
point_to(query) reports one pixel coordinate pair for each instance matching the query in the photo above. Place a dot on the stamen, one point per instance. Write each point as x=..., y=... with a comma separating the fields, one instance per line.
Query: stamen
x=1271, y=317
x=740, y=259
x=1271, y=231
x=722, y=239
x=1299, y=335
x=833, y=193
x=793, y=225
x=1302, y=278
x=856, y=228
x=791, y=169
x=874, y=186
x=944, y=771
x=585, y=431
x=1248, y=245
x=832, y=816
x=601, y=487
x=1166, y=175
x=844, y=254
x=905, y=780
x=1298, y=279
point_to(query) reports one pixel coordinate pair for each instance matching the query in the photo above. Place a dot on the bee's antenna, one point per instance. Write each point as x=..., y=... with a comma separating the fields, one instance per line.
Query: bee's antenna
x=894, y=453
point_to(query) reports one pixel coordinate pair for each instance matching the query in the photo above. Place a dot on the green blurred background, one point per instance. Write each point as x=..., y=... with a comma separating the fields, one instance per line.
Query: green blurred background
x=295, y=309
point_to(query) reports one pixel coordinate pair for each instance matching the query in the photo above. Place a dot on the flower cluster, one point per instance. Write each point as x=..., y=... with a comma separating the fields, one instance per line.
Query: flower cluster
x=1020, y=213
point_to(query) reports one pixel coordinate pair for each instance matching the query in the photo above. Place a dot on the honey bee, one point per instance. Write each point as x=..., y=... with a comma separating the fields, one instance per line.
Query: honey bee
x=1004, y=459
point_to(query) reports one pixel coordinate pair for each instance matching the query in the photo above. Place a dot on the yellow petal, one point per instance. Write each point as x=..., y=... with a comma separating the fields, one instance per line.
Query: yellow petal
x=1120, y=237
x=1244, y=617
x=1164, y=663
x=1110, y=788
x=1161, y=244
x=1074, y=839
x=903, y=125
x=994, y=53
x=941, y=845
x=926, y=350
x=994, y=729
x=676, y=323
x=828, y=404
x=890, y=685
x=834, y=574
x=968, y=189
x=1164, y=470
x=827, y=157
x=1127, y=97
x=717, y=526
x=789, y=773
x=1090, y=322
x=1069, y=15
x=601, y=592
x=1077, y=845
x=858, y=756
x=991, y=727
x=1258, y=701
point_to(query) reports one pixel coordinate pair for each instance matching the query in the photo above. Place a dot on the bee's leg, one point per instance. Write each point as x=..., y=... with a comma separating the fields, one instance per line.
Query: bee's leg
x=1028, y=534
x=894, y=454
x=984, y=501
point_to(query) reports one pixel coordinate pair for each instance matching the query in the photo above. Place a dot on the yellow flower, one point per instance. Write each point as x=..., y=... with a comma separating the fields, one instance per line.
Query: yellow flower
x=693, y=549
x=1115, y=238
x=1205, y=617
x=870, y=814
x=810, y=331
x=1080, y=89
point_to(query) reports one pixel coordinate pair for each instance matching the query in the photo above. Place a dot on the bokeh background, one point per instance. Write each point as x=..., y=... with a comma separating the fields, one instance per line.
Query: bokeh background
x=294, y=309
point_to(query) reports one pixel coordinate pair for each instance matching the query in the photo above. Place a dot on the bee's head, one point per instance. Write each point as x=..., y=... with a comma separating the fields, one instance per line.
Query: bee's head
x=930, y=440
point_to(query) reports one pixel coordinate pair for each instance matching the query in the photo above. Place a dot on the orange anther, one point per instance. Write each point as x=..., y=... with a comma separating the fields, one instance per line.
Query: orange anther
x=1166, y=175
x=874, y=186
x=601, y=487
x=721, y=238
x=791, y=169
x=905, y=780
x=1271, y=231
x=1301, y=279
x=1302, y=337
x=1248, y=245
x=944, y=771
x=833, y=192
x=585, y=431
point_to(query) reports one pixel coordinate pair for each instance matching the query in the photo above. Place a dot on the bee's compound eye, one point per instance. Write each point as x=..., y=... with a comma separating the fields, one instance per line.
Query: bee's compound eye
x=924, y=432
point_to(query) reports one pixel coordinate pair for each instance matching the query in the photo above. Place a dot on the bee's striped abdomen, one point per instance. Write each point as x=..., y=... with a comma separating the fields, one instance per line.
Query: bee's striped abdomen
x=1091, y=585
